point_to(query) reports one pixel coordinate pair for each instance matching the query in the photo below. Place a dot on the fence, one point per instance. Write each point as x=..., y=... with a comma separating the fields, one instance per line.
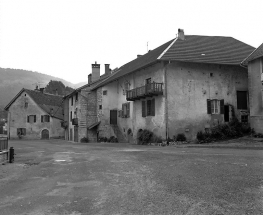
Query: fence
x=3, y=144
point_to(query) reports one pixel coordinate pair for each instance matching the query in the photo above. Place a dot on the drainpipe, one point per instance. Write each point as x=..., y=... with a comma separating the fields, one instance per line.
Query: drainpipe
x=165, y=102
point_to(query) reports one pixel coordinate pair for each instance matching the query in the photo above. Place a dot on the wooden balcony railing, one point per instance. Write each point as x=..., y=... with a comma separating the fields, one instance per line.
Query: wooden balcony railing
x=148, y=90
x=75, y=121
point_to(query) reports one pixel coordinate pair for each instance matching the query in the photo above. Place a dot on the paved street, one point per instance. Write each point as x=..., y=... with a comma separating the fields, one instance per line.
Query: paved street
x=57, y=177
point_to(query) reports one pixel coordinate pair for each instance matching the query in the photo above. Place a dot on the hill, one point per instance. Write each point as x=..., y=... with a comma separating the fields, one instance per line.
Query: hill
x=13, y=80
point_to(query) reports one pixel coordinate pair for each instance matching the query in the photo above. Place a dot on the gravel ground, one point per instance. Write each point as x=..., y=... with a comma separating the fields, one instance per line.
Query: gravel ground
x=57, y=177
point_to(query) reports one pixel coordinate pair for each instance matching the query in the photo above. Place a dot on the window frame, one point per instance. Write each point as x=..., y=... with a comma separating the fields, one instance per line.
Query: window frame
x=239, y=102
x=126, y=110
x=45, y=118
x=217, y=102
x=34, y=119
x=148, y=107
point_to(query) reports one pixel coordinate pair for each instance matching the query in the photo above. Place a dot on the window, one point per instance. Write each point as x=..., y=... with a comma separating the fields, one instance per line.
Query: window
x=45, y=118
x=126, y=110
x=100, y=107
x=242, y=100
x=148, y=81
x=113, y=117
x=126, y=87
x=104, y=92
x=70, y=116
x=244, y=118
x=21, y=131
x=148, y=108
x=76, y=113
x=26, y=104
x=77, y=96
x=215, y=106
x=72, y=101
x=31, y=118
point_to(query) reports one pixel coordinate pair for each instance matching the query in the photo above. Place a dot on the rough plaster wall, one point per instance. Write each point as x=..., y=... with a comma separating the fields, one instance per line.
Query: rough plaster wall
x=189, y=87
x=66, y=116
x=255, y=94
x=18, y=119
x=115, y=98
x=92, y=115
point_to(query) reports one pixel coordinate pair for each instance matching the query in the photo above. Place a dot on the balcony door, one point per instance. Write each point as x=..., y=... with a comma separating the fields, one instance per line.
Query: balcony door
x=113, y=117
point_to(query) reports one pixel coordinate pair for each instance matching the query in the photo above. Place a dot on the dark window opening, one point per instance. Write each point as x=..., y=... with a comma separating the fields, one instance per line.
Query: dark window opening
x=226, y=113
x=31, y=118
x=77, y=96
x=26, y=104
x=71, y=100
x=104, y=92
x=71, y=116
x=100, y=107
x=148, y=81
x=45, y=118
x=21, y=131
x=242, y=100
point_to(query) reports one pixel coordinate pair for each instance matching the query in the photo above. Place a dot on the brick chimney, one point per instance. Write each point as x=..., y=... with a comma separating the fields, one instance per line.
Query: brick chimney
x=89, y=78
x=95, y=72
x=180, y=34
x=107, y=69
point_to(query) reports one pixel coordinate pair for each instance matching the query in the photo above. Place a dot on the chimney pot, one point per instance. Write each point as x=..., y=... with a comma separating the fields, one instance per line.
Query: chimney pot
x=107, y=69
x=95, y=72
x=181, y=34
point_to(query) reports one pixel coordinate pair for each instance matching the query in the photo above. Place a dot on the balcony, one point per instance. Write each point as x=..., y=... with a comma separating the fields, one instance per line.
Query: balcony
x=75, y=121
x=148, y=90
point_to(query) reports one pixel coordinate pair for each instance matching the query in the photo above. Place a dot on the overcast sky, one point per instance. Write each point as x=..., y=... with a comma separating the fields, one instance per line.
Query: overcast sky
x=63, y=37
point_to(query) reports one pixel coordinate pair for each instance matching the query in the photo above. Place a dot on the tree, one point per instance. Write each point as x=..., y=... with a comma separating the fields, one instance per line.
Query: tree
x=57, y=87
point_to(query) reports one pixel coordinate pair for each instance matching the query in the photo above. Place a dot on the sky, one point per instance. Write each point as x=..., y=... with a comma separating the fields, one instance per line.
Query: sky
x=63, y=38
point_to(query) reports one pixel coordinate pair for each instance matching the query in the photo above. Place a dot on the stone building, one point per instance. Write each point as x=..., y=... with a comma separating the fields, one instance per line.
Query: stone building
x=80, y=118
x=186, y=85
x=33, y=114
x=254, y=62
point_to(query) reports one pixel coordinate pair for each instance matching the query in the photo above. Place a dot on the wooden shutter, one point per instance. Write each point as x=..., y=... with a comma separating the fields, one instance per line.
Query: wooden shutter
x=35, y=118
x=143, y=109
x=128, y=109
x=208, y=106
x=153, y=107
x=222, y=106
x=48, y=118
x=41, y=118
x=27, y=118
x=122, y=110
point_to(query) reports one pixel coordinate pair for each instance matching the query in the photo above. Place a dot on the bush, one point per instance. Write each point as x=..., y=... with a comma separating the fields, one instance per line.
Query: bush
x=144, y=137
x=112, y=139
x=233, y=129
x=180, y=137
x=156, y=139
x=84, y=140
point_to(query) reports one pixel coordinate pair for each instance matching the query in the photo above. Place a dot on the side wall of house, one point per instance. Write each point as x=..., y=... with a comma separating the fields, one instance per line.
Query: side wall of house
x=255, y=69
x=116, y=97
x=18, y=119
x=189, y=87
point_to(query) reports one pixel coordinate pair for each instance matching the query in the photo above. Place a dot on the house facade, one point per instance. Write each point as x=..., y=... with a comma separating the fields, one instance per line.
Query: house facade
x=80, y=107
x=33, y=114
x=186, y=85
x=254, y=63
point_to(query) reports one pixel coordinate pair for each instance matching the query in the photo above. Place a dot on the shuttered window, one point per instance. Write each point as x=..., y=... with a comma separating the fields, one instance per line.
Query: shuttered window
x=143, y=109
x=126, y=110
x=148, y=108
x=215, y=106
x=45, y=118
x=31, y=118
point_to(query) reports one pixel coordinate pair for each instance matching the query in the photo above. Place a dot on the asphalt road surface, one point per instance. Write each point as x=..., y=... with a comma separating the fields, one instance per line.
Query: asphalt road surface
x=58, y=177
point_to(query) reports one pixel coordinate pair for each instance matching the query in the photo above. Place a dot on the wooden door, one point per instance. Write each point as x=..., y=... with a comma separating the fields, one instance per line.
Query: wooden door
x=71, y=135
x=45, y=134
x=113, y=117
x=76, y=134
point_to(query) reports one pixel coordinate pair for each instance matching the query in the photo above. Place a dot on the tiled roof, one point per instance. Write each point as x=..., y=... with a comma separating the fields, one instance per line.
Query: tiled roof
x=208, y=49
x=136, y=64
x=45, y=101
x=92, y=84
x=254, y=55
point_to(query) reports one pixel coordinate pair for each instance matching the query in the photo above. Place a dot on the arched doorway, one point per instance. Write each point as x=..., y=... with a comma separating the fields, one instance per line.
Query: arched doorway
x=45, y=134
